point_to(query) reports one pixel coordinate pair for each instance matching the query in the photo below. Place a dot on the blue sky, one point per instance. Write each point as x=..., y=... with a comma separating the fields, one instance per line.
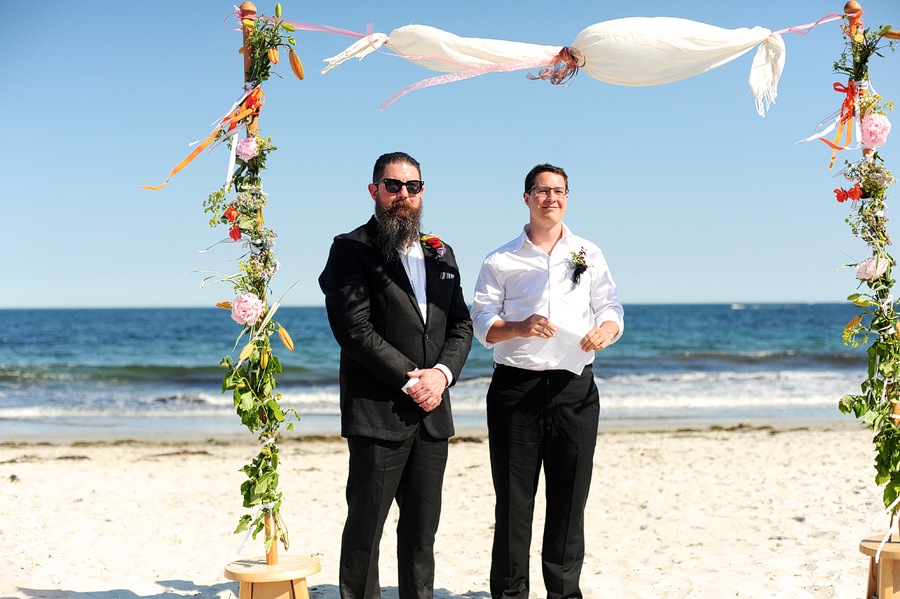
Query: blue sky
x=692, y=196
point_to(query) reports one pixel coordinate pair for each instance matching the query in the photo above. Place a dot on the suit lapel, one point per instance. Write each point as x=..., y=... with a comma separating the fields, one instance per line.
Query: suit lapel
x=432, y=272
x=396, y=269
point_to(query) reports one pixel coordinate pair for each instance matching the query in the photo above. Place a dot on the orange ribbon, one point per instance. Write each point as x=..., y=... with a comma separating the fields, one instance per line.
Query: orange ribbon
x=846, y=119
x=856, y=23
x=250, y=106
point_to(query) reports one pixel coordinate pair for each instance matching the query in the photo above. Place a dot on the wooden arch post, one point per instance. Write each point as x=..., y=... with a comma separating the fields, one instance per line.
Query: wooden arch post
x=884, y=574
x=248, y=13
x=268, y=578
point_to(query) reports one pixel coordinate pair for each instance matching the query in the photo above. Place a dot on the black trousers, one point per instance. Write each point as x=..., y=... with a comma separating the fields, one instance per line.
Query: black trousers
x=535, y=419
x=412, y=472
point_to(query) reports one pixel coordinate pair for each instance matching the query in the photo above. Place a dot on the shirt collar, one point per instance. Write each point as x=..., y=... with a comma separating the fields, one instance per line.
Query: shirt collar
x=566, y=238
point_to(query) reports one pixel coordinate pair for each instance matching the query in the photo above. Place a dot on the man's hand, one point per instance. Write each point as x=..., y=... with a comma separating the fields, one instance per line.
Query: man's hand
x=428, y=392
x=536, y=326
x=597, y=339
x=533, y=326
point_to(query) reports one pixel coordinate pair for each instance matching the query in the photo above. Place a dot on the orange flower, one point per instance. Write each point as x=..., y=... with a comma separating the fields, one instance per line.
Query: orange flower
x=231, y=214
x=853, y=323
x=286, y=338
x=853, y=194
x=235, y=233
x=247, y=351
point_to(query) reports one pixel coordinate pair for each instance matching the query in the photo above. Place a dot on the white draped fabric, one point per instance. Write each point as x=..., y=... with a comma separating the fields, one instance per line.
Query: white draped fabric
x=468, y=52
x=634, y=51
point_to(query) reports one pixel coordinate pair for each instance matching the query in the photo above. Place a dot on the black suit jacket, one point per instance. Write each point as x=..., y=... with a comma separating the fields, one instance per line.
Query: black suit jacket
x=376, y=320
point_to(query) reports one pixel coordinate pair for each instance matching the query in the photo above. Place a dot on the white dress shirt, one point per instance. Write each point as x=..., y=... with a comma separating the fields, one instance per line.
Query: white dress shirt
x=413, y=259
x=519, y=279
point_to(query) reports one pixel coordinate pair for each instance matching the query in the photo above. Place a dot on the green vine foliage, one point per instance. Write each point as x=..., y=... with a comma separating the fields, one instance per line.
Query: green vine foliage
x=263, y=38
x=878, y=326
x=861, y=45
x=252, y=378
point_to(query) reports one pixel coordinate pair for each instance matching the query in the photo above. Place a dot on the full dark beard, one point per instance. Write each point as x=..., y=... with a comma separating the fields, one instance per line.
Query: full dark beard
x=398, y=227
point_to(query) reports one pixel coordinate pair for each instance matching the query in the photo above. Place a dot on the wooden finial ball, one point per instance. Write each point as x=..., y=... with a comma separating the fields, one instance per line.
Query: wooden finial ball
x=852, y=7
x=248, y=9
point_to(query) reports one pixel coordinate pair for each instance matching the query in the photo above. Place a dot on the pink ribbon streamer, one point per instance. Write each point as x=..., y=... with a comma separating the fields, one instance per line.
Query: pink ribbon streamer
x=313, y=27
x=237, y=15
x=451, y=77
x=833, y=16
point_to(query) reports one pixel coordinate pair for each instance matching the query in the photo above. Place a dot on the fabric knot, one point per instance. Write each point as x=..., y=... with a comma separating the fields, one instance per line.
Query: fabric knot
x=563, y=68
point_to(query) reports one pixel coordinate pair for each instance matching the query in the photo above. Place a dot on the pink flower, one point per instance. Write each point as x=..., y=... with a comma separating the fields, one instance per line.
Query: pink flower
x=247, y=149
x=874, y=130
x=871, y=268
x=246, y=308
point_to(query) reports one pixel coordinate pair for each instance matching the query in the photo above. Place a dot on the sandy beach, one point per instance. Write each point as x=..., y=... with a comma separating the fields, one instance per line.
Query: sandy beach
x=705, y=511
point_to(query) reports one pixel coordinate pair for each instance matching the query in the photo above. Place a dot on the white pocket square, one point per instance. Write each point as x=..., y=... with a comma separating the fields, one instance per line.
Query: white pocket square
x=447, y=275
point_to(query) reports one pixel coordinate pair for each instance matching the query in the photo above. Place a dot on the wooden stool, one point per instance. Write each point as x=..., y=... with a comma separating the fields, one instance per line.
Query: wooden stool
x=285, y=580
x=884, y=577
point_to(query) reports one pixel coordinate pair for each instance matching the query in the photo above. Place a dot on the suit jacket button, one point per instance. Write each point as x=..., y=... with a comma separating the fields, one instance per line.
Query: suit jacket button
x=426, y=336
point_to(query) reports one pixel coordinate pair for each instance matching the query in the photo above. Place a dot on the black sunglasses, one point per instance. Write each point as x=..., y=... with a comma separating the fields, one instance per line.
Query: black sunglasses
x=394, y=185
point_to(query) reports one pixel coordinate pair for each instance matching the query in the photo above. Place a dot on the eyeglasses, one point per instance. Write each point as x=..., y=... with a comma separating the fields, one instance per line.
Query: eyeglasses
x=544, y=192
x=394, y=185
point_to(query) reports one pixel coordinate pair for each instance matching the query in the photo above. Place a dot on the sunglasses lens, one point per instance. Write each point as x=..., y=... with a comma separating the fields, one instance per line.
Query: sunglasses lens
x=392, y=185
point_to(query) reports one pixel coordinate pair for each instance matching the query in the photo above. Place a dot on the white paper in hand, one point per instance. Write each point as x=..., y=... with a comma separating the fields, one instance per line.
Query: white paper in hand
x=562, y=351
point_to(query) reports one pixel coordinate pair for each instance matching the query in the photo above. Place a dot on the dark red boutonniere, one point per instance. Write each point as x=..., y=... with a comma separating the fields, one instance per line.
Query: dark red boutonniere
x=579, y=264
x=434, y=243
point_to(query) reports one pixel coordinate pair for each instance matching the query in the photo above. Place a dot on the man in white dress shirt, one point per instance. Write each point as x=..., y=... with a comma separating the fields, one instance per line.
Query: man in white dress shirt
x=545, y=280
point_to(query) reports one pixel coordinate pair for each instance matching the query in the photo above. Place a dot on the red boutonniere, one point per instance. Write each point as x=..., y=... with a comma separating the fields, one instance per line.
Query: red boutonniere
x=853, y=194
x=435, y=245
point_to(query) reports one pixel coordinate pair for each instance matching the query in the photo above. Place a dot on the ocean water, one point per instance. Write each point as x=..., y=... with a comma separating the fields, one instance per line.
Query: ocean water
x=155, y=371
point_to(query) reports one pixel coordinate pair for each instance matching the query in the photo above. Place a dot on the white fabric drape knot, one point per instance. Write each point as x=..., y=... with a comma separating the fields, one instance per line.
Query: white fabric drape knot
x=634, y=51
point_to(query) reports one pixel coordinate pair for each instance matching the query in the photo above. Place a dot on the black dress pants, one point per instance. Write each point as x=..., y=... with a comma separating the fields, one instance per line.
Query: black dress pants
x=535, y=419
x=412, y=472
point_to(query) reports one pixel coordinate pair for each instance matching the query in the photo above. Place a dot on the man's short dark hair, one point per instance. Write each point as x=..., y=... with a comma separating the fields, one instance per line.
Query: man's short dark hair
x=541, y=168
x=393, y=158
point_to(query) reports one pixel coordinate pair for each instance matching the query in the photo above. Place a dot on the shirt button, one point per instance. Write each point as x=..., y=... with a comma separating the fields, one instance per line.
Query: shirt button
x=426, y=336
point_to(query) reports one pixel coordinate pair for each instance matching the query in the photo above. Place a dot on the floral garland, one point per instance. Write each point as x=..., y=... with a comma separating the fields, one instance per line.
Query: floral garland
x=876, y=404
x=252, y=379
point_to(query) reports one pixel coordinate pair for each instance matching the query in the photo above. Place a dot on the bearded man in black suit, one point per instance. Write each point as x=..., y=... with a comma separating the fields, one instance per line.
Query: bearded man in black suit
x=396, y=308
